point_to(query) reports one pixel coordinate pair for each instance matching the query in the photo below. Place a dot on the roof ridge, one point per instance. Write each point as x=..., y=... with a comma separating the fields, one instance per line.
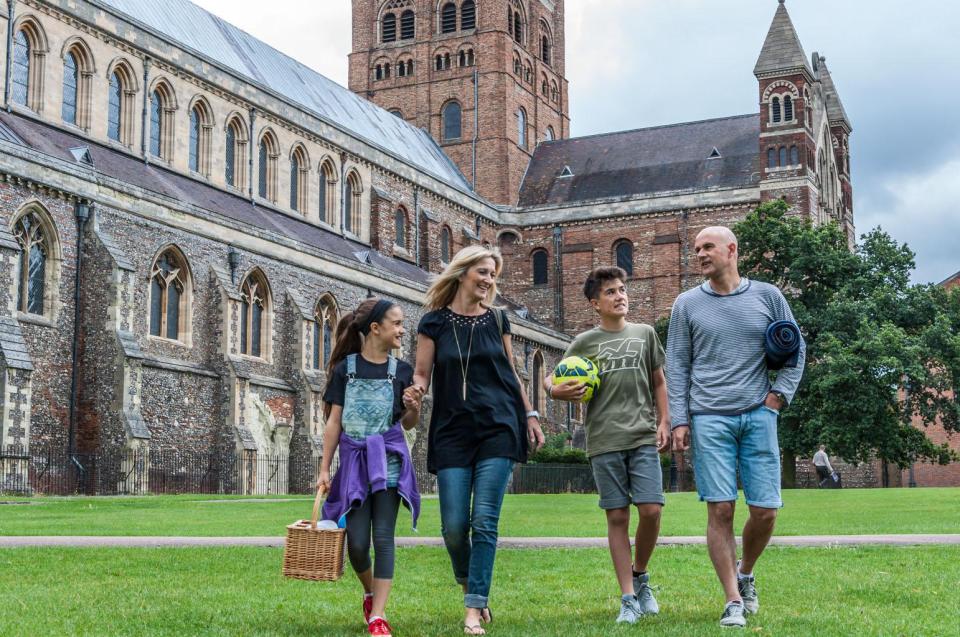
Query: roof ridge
x=648, y=128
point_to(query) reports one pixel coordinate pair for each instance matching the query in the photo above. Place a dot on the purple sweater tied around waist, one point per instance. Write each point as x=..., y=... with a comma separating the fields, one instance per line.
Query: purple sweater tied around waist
x=363, y=470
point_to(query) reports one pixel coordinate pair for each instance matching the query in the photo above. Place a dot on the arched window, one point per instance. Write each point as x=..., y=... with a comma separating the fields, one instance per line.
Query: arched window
x=771, y=158
x=408, y=29
x=299, y=180
x=26, y=69
x=162, y=107
x=462, y=58
x=470, y=58
x=169, y=295
x=21, y=69
x=507, y=242
x=536, y=381
x=783, y=156
x=546, y=49
x=517, y=65
x=787, y=108
x=386, y=71
x=400, y=228
x=446, y=61
x=549, y=135
x=522, y=128
x=439, y=62
x=120, y=103
x=527, y=74
x=324, y=326
x=353, y=214
x=36, y=239
x=269, y=152
x=236, y=144
x=448, y=18
x=468, y=15
x=71, y=84
x=327, y=185
x=402, y=68
x=623, y=251
x=254, y=315
x=539, y=258
x=114, y=102
x=378, y=72
x=776, y=110
x=544, y=87
x=396, y=112
x=794, y=156
x=390, y=27
x=452, y=121
x=201, y=123
x=445, y=244
x=554, y=92
x=156, y=123
x=517, y=20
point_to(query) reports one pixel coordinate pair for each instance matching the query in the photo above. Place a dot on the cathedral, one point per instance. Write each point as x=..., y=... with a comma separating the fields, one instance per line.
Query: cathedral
x=186, y=211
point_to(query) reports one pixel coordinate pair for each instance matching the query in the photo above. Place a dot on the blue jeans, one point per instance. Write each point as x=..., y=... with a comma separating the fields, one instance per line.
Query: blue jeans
x=722, y=445
x=472, y=556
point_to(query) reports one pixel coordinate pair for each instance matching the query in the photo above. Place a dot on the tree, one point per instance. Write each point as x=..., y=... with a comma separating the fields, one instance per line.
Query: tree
x=880, y=351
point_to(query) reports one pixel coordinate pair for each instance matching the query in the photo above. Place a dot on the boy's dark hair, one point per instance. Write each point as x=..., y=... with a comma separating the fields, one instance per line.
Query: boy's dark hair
x=599, y=276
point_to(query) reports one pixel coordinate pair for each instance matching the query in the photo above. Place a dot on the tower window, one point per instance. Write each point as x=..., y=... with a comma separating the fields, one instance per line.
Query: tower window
x=439, y=62
x=771, y=158
x=522, y=128
x=540, y=267
x=787, y=108
x=407, y=25
x=448, y=18
x=468, y=15
x=462, y=58
x=776, y=110
x=389, y=27
x=545, y=49
x=378, y=72
x=794, y=156
x=452, y=121
x=783, y=156
x=386, y=71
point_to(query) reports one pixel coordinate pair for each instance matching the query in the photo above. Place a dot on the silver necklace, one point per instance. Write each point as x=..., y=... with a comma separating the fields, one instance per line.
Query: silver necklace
x=464, y=369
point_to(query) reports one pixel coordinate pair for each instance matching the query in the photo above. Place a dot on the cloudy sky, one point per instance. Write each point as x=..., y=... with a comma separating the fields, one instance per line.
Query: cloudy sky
x=636, y=63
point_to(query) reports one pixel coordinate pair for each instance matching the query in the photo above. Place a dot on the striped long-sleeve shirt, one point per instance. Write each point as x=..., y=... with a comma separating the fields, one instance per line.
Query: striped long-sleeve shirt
x=715, y=351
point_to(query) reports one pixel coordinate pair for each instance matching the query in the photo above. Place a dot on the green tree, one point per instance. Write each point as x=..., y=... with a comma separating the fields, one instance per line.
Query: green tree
x=880, y=351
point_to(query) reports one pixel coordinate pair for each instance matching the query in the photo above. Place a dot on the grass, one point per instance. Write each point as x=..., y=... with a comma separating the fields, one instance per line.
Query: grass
x=807, y=512
x=239, y=591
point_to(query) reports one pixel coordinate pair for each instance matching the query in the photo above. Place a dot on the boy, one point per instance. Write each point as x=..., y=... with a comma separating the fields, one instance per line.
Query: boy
x=624, y=431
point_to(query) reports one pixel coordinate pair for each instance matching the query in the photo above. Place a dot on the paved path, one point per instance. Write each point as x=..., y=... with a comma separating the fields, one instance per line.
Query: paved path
x=505, y=542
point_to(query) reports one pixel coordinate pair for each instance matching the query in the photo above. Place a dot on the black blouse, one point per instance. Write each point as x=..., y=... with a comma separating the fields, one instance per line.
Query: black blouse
x=491, y=422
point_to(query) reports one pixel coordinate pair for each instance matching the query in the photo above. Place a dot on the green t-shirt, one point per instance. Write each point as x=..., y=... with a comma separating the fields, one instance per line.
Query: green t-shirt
x=622, y=413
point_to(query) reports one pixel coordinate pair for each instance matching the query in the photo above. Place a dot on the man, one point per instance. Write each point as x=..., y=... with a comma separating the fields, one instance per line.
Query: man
x=720, y=394
x=821, y=462
x=627, y=423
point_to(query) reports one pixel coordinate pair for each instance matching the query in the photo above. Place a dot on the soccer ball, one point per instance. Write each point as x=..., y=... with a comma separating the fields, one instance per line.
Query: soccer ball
x=581, y=369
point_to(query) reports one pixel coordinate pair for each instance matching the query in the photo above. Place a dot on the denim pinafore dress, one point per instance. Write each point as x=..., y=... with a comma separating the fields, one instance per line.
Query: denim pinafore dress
x=368, y=409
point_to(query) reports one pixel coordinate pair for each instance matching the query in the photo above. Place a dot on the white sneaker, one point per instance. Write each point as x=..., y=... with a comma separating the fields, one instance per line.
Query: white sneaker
x=629, y=610
x=645, y=599
x=733, y=616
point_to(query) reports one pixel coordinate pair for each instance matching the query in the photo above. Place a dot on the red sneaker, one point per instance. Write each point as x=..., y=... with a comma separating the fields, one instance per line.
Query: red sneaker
x=379, y=627
x=367, y=607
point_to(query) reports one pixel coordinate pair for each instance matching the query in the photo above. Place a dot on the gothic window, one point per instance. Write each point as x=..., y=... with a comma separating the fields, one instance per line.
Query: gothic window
x=468, y=15
x=299, y=179
x=161, y=113
x=522, y=128
x=195, y=134
x=448, y=18
x=544, y=86
x=324, y=325
x=794, y=156
x=546, y=48
x=26, y=68
x=236, y=144
x=407, y=25
x=549, y=135
x=156, y=123
x=328, y=192
x=254, y=315
x=120, y=103
x=21, y=68
x=269, y=152
x=787, y=108
x=554, y=93
x=400, y=228
x=452, y=121
x=169, y=295
x=71, y=83
x=36, y=239
x=114, y=100
x=515, y=21
x=623, y=251
x=776, y=110
x=539, y=258
x=201, y=123
x=352, y=213
x=445, y=244
x=783, y=156
x=771, y=158
x=517, y=65
x=389, y=27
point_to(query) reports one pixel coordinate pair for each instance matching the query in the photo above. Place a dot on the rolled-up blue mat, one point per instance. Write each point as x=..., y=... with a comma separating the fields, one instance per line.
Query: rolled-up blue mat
x=782, y=342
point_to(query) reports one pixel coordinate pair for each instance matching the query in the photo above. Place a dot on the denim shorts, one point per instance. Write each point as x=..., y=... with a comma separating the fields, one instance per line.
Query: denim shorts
x=628, y=476
x=747, y=442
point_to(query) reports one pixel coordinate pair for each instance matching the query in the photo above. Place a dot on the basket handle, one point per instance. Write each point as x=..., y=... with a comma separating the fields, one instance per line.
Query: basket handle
x=316, y=507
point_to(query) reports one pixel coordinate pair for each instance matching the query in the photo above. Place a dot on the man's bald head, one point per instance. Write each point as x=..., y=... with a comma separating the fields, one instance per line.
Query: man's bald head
x=720, y=234
x=716, y=250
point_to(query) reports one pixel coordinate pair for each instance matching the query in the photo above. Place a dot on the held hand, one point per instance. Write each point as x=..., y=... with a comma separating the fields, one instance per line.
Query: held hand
x=681, y=438
x=323, y=482
x=773, y=402
x=570, y=390
x=413, y=397
x=534, y=433
x=663, y=437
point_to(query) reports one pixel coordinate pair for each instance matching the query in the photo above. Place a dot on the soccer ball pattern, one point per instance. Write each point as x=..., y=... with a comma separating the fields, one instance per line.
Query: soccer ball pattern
x=581, y=369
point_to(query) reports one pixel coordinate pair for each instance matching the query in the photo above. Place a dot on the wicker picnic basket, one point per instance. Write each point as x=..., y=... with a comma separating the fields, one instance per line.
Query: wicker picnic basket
x=311, y=553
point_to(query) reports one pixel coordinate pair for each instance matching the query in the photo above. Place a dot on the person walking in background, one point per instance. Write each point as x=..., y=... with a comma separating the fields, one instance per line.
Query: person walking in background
x=366, y=409
x=482, y=422
x=821, y=462
x=720, y=391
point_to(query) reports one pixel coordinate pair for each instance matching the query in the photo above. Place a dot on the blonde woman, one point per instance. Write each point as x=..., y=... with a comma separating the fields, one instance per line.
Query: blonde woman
x=482, y=421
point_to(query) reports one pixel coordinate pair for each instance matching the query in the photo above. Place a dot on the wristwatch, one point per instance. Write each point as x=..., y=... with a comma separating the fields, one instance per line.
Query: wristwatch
x=533, y=413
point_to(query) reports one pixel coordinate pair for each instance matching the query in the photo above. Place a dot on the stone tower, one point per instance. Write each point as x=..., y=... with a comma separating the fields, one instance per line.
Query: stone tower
x=484, y=77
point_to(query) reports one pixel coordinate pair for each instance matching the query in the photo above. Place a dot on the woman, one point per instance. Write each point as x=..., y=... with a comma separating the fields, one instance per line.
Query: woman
x=482, y=420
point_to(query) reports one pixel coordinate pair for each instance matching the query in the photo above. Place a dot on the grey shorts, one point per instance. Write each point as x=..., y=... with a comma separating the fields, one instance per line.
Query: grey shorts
x=629, y=476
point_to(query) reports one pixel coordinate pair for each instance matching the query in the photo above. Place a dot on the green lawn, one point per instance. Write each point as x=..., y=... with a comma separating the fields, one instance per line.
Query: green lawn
x=239, y=591
x=807, y=512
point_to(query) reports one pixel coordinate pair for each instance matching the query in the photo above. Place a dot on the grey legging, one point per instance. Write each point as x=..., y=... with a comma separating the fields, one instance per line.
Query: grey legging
x=379, y=513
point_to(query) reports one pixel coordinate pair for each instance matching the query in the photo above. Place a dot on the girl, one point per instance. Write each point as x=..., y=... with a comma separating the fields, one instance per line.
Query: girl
x=482, y=420
x=366, y=405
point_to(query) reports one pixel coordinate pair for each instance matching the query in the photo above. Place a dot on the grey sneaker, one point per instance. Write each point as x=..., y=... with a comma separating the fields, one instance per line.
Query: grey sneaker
x=629, y=610
x=733, y=616
x=645, y=599
x=748, y=592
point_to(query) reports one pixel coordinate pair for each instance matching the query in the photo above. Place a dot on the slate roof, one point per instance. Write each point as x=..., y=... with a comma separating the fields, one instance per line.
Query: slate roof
x=113, y=163
x=643, y=162
x=835, y=110
x=13, y=349
x=213, y=38
x=782, y=49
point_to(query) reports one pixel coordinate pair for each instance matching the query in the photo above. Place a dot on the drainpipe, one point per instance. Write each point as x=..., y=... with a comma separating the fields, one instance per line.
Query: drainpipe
x=251, y=143
x=343, y=192
x=416, y=226
x=82, y=212
x=557, y=276
x=9, y=69
x=143, y=116
x=476, y=121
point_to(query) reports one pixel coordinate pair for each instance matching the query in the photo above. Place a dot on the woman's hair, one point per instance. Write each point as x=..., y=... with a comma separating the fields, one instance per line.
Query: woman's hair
x=349, y=334
x=444, y=288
